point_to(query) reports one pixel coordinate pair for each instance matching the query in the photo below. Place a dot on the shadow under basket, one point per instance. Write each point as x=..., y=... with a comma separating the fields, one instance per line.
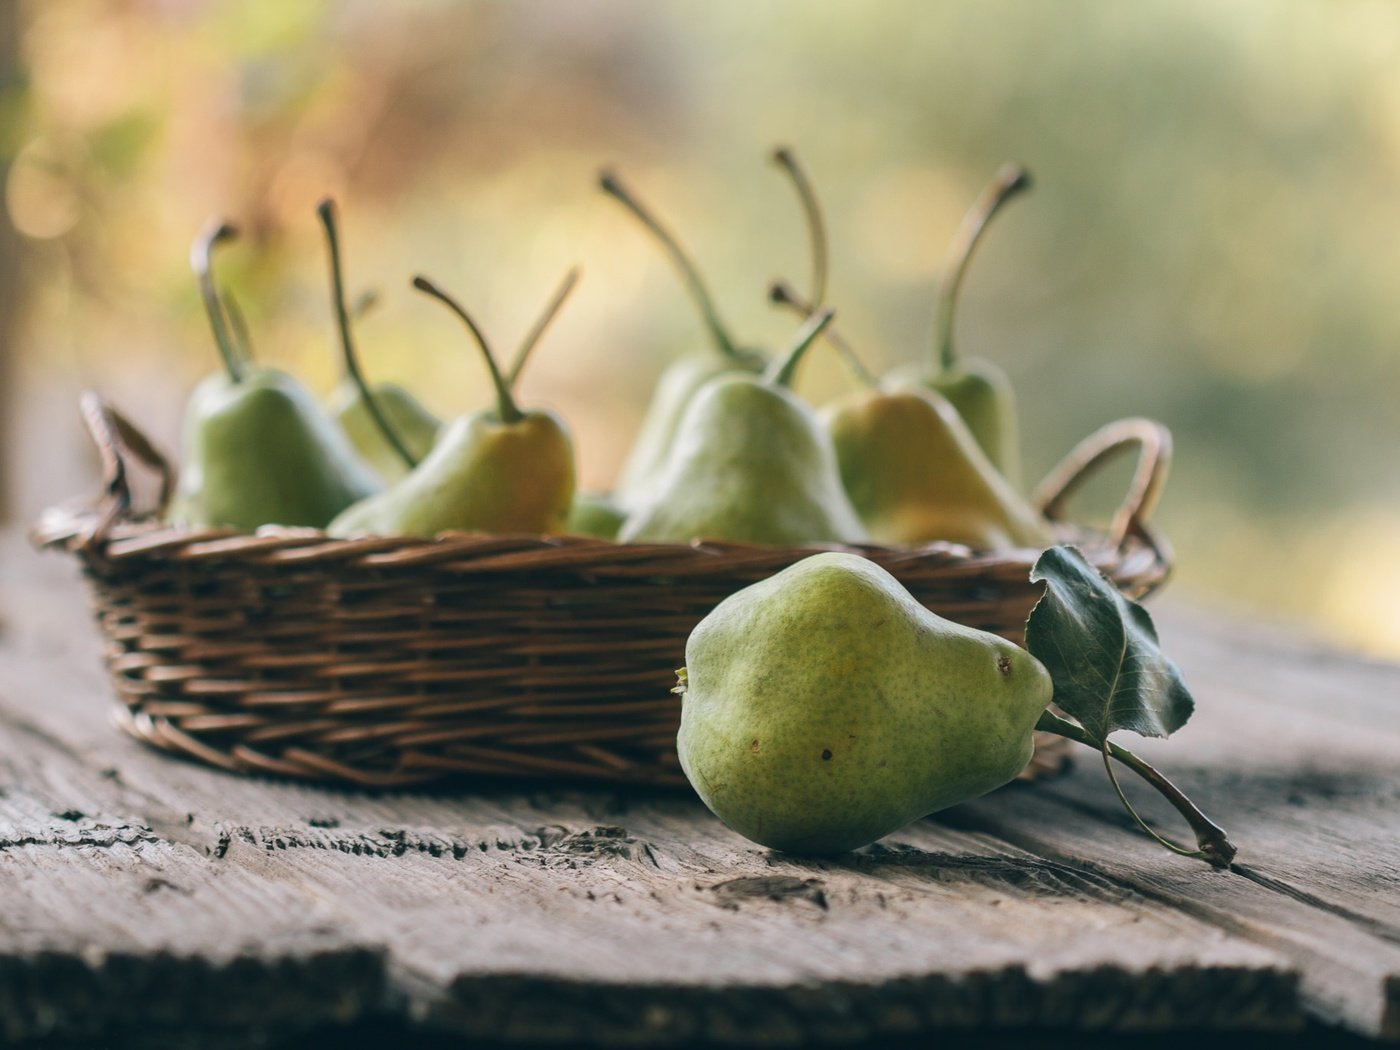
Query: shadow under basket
x=391, y=661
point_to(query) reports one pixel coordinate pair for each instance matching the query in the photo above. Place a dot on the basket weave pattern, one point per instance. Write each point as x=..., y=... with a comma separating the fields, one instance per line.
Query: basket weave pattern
x=390, y=661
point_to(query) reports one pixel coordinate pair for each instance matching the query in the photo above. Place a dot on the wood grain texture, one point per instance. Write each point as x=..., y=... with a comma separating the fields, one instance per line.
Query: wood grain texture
x=543, y=913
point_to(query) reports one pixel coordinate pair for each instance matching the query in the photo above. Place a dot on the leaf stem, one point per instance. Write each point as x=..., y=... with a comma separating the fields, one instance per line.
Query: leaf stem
x=326, y=212
x=1214, y=846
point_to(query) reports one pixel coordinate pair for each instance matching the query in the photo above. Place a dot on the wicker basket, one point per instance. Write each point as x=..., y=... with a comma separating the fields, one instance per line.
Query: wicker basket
x=394, y=661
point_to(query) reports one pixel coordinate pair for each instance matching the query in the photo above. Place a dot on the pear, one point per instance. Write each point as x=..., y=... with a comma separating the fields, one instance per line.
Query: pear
x=752, y=464
x=257, y=449
x=594, y=514
x=978, y=389
x=682, y=379
x=389, y=427
x=824, y=708
x=407, y=417
x=916, y=474
x=501, y=470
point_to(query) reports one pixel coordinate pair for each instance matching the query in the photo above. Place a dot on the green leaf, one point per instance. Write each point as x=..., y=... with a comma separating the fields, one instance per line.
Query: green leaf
x=1101, y=651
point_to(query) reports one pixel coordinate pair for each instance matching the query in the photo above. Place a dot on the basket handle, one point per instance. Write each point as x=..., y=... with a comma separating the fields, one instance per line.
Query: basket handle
x=118, y=443
x=1154, y=443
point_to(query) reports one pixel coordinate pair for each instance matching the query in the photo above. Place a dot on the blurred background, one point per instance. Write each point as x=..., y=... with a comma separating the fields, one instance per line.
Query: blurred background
x=1213, y=239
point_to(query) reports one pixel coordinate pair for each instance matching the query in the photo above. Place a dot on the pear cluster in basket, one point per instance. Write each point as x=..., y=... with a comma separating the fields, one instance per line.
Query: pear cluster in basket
x=259, y=449
x=726, y=451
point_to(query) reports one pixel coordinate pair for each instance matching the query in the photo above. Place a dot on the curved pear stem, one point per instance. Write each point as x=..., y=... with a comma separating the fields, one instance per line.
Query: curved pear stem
x=215, y=232
x=1008, y=181
x=782, y=370
x=784, y=294
x=612, y=185
x=1213, y=844
x=532, y=337
x=326, y=211
x=506, y=407
x=238, y=326
x=784, y=157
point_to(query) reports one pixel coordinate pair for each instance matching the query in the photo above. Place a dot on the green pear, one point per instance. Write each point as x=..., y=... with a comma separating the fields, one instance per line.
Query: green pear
x=388, y=426
x=824, y=708
x=404, y=414
x=977, y=389
x=261, y=451
x=501, y=470
x=751, y=463
x=675, y=390
x=594, y=514
x=680, y=382
x=257, y=449
x=916, y=474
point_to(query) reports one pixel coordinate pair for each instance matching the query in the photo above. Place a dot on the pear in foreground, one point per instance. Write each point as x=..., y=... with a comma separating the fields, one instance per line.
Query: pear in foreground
x=824, y=708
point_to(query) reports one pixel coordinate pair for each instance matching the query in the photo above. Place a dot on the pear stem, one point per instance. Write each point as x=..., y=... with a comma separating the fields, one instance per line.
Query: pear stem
x=543, y=322
x=201, y=261
x=782, y=370
x=1213, y=844
x=784, y=294
x=612, y=185
x=238, y=326
x=506, y=407
x=1009, y=180
x=784, y=157
x=326, y=211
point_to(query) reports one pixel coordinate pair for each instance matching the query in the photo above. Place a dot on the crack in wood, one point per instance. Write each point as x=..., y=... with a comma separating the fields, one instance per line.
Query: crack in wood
x=733, y=892
x=548, y=845
x=1374, y=926
x=96, y=836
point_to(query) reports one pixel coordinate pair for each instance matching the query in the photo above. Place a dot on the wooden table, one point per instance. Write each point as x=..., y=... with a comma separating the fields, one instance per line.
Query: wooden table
x=140, y=894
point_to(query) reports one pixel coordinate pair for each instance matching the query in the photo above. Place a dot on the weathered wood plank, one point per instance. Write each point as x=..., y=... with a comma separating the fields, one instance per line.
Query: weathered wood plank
x=713, y=936
x=1295, y=750
x=107, y=925
x=616, y=916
